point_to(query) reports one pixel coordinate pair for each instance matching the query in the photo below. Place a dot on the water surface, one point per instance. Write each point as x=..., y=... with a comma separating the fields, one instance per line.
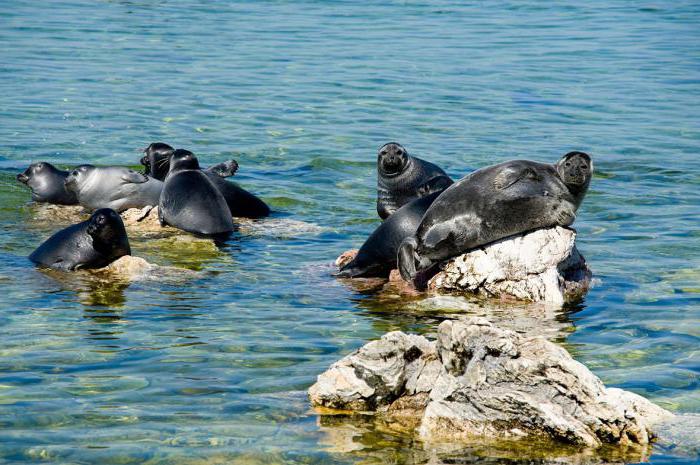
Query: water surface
x=214, y=368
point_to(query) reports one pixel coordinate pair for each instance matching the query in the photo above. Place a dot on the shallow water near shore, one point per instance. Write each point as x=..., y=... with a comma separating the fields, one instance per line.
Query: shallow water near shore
x=213, y=368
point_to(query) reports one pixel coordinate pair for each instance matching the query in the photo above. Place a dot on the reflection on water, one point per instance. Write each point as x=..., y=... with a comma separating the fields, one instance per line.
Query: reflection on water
x=209, y=363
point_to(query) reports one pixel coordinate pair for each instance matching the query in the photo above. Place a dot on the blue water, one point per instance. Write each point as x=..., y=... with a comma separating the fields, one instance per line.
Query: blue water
x=213, y=368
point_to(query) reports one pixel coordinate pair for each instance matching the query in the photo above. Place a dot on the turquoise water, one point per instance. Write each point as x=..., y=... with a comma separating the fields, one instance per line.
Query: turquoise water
x=212, y=367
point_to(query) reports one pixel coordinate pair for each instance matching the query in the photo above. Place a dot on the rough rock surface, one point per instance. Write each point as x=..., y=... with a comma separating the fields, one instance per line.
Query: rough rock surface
x=479, y=381
x=541, y=266
x=141, y=218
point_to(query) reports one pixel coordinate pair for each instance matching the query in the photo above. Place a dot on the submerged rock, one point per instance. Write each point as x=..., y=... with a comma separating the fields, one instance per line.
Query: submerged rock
x=540, y=266
x=479, y=381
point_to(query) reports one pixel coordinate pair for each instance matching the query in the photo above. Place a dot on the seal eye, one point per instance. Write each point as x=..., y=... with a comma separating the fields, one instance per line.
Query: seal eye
x=567, y=164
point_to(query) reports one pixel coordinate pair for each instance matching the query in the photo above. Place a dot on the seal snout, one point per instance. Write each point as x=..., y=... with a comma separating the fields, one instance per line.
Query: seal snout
x=23, y=178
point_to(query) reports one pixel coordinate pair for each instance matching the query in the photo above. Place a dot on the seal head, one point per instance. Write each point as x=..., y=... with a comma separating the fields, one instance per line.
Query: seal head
x=402, y=178
x=156, y=158
x=47, y=184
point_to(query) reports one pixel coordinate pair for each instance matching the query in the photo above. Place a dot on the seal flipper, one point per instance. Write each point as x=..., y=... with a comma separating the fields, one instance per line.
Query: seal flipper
x=225, y=169
x=511, y=175
x=134, y=177
x=406, y=258
x=436, y=184
x=357, y=270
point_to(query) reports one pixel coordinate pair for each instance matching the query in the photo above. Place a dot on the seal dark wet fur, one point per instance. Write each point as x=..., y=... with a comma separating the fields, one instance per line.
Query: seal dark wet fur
x=377, y=256
x=191, y=202
x=402, y=178
x=94, y=243
x=114, y=187
x=47, y=184
x=242, y=203
x=493, y=203
x=156, y=162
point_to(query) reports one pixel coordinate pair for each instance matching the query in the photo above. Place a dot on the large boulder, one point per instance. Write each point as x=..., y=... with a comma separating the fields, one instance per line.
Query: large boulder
x=480, y=381
x=541, y=266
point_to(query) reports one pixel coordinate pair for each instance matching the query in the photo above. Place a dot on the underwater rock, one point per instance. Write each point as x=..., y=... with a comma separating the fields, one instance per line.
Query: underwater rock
x=541, y=266
x=480, y=381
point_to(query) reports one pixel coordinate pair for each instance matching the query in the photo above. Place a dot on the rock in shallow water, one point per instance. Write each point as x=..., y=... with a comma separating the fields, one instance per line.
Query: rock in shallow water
x=480, y=381
x=541, y=266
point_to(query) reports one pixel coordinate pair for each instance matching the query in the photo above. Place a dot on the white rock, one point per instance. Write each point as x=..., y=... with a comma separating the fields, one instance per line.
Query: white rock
x=541, y=266
x=479, y=381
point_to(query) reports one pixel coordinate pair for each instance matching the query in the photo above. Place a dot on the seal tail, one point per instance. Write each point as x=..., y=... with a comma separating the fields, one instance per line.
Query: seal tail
x=406, y=259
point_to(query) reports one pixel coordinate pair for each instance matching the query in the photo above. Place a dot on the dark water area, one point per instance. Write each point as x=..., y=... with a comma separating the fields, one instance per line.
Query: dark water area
x=213, y=367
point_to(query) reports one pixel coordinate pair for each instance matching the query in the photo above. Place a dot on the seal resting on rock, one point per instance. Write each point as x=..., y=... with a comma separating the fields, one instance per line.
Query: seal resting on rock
x=402, y=178
x=190, y=201
x=47, y=184
x=94, y=243
x=493, y=203
x=377, y=256
x=156, y=161
x=114, y=187
x=242, y=203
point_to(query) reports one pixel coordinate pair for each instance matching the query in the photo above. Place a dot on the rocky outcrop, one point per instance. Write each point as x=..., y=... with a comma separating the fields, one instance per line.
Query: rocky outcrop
x=541, y=266
x=479, y=381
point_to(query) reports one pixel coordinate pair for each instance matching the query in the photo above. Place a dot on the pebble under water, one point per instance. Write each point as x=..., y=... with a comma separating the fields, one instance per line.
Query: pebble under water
x=212, y=365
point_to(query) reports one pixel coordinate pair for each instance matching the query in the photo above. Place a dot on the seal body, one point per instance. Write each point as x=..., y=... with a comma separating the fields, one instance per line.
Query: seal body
x=190, y=201
x=377, y=256
x=240, y=202
x=47, y=184
x=493, y=203
x=156, y=162
x=113, y=187
x=402, y=178
x=94, y=243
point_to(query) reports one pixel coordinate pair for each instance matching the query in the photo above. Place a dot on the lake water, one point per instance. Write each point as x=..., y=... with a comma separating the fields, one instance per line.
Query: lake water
x=213, y=366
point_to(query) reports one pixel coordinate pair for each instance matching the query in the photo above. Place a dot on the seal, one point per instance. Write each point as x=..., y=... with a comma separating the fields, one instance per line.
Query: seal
x=156, y=162
x=114, y=187
x=190, y=201
x=402, y=178
x=47, y=184
x=241, y=203
x=94, y=243
x=493, y=203
x=377, y=256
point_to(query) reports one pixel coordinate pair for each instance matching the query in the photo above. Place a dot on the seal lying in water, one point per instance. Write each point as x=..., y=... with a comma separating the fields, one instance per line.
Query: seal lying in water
x=402, y=178
x=47, y=184
x=94, y=243
x=114, y=187
x=242, y=203
x=493, y=203
x=377, y=256
x=190, y=201
x=156, y=161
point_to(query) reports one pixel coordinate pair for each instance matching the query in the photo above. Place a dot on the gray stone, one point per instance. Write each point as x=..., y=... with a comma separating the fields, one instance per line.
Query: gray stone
x=479, y=381
x=541, y=266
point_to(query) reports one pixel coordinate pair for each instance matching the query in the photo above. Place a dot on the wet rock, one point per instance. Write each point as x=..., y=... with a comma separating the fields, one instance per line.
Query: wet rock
x=141, y=218
x=541, y=266
x=132, y=268
x=480, y=381
x=346, y=257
